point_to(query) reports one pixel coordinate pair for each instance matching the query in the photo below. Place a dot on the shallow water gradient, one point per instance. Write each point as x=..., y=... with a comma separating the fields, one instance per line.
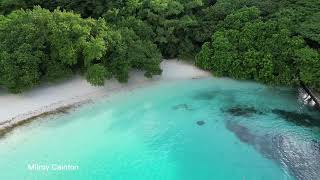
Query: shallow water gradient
x=181, y=130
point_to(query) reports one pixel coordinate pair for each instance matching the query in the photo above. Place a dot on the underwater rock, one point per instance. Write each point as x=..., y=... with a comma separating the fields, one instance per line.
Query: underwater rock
x=243, y=111
x=302, y=119
x=241, y=132
x=200, y=123
x=182, y=106
x=261, y=143
x=300, y=157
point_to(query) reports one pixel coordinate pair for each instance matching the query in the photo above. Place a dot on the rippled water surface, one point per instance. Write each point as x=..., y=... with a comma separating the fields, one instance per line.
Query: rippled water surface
x=187, y=130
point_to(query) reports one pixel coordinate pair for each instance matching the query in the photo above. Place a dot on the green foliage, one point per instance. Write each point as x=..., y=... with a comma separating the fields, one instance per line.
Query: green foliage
x=271, y=41
x=96, y=74
x=87, y=8
x=42, y=45
x=131, y=51
x=304, y=17
x=7, y=6
x=246, y=47
x=55, y=71
x=238, y=19
x=308, y=61
x=20, y=68
x=39, y=44
x=168, y=24
x=203, y=58
x=310, y=28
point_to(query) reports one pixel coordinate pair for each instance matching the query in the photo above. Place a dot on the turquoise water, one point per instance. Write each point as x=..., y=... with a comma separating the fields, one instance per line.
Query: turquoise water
x=185, y=130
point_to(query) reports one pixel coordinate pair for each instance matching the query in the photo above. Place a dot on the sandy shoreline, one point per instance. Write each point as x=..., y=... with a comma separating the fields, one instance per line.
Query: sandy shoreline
x=49, y=98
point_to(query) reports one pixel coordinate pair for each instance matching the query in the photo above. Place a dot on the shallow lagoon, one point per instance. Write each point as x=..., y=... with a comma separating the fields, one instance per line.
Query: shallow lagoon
x=179, y=130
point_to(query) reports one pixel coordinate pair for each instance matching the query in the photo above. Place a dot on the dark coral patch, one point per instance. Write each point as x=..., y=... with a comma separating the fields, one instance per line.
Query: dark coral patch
x=301, y=119
x=241, y=132
x=301, y=158
x=200, y=123
x=243, y=111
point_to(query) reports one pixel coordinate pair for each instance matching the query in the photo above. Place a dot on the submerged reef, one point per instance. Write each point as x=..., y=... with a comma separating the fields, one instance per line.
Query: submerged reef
x=300, y=157
x=200, y=123
x=243, y=111
x=301, y=119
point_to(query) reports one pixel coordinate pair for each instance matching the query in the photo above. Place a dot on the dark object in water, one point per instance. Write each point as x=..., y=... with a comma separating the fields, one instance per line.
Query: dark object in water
x=302, y=119
x=182, y=106
x=200, y=123
x=301, y=158
x=242, y=132
x=243, y=111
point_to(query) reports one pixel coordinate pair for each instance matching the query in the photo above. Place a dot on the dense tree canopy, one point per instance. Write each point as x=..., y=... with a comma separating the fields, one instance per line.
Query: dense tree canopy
x=42, y=45
x=247, y=47
x=271, y=41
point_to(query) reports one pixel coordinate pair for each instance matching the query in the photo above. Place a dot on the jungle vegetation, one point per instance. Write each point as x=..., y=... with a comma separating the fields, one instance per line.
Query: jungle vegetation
x=275, y=42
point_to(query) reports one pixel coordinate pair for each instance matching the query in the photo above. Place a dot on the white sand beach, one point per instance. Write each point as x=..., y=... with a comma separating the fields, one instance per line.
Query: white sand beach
x=46, y=98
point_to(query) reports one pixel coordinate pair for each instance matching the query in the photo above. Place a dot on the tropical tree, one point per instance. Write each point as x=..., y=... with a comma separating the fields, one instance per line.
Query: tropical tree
x=246, y=47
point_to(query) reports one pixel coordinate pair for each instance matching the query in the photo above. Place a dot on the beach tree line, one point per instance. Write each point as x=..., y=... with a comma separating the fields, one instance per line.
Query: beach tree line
x=269, y=41
x=247, y=47
x=273, y=42
x=42, y=46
